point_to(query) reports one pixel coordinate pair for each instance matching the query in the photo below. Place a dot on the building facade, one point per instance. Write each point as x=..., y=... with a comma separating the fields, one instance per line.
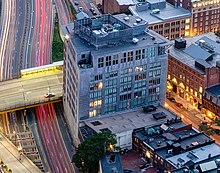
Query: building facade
x=167, y=20
x=116, y=6
x=174, y=145
x=205, y=15
x=192, y=67
x=211, y=101
x=113, y=65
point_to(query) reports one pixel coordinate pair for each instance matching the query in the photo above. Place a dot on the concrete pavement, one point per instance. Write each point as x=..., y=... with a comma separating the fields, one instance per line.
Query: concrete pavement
x=11, y=157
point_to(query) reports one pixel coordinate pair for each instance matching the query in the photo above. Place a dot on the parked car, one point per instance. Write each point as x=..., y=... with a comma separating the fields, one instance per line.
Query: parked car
x=145, y=165
x=127, y=171
x=48, y=95
x=171, y=99
x=76, y=3
x=180, y=105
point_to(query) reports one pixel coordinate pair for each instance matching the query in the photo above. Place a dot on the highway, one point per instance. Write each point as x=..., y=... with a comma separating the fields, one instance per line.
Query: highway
x=63, y=11
x=26, y=36
x=53, y=141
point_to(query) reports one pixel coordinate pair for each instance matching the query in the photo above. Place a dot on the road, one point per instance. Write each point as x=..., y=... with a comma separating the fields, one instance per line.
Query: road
x=193, y=117
x=25, y=37
x=53, y=141
x=24, y=91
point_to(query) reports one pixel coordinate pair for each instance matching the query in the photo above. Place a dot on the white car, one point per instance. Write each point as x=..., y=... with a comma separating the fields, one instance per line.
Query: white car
x=49, y=95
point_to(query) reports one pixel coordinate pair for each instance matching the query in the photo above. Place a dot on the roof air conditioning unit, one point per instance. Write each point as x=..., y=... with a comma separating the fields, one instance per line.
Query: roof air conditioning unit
x=135, y=40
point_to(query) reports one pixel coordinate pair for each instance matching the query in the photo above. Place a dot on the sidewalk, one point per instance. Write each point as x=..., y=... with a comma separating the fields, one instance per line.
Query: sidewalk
x=10, y=156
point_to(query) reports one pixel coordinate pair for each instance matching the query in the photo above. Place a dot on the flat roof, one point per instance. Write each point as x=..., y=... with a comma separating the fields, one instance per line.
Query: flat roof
x=166, y=14
x=109, y=46
x=111, y=162
x=196, y=155
x=125, y=2
x=128, y=120
x=189, y=59
x=214, y=90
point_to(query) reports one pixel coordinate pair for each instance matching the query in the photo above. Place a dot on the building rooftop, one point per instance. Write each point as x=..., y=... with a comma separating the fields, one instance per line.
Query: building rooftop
x=202, y=49
x=166, y=11
x=111, y=163
x=195, y=156
x=125, y=2
x=214, y=90
x=108, y=34
x=127, y=120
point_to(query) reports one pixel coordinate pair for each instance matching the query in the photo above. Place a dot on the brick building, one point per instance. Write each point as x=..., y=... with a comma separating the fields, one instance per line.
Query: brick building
x=164, y=18
x=205, y=14
x=193, y=66
x=174, y=145
x=116, y=6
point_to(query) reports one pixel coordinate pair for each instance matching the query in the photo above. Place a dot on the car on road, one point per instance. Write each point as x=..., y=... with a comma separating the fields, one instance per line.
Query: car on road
x=171, y=99
x=48, y=95
x=76, y=3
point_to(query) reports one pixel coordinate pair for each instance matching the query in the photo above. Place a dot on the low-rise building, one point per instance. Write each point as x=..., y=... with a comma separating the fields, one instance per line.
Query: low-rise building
x=122, y=124
x=193, y=65
x=116, y=6
x=167, y=20
x=174, y=145
x=211, y=101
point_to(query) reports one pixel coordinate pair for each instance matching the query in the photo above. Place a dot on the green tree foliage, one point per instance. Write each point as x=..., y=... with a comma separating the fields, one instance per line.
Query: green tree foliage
x=89, y=152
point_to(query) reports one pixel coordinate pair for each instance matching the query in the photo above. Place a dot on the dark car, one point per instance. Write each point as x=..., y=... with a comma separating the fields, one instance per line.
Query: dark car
x=145, y=165
x=149, y=108
x=180, y=105
x=76, y=3
x=171, y=99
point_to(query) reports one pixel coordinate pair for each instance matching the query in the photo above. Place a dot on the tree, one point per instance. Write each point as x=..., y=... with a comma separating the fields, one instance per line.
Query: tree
x=89, y=152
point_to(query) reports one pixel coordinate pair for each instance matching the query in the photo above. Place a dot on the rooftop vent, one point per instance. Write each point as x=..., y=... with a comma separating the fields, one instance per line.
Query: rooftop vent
x=138, y=20
x=135, y=40
x=156, y=11
x=203, y=44
x=126, y=18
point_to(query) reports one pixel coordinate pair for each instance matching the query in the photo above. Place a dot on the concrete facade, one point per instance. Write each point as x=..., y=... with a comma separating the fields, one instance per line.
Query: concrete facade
x=120, y=66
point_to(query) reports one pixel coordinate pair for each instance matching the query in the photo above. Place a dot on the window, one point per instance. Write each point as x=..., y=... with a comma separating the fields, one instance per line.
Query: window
x=130, y=56
x=126, y=79
x=110, y=91
x=115, y=59
x=96, y=86
x=140, y=76
x=100, y=62
x=125, y=88
x=125, y=97
x=154, y=82
x=108, y=60
x=112, y=82
x=123, y=58
x=200, y=89
x=138, y=54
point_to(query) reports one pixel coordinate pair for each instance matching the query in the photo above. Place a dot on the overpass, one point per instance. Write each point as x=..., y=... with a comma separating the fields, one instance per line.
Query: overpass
x=29, y=90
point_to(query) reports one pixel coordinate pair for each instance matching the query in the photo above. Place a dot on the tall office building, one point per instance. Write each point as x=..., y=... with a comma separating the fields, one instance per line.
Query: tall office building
x=112, y=63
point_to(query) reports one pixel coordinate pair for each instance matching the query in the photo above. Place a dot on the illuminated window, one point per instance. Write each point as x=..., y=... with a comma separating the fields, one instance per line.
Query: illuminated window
x=168, y=76
x=187, y=27
x=191, y=90
x=91, y=104
x=100, y=85
x=200, y=89
x=187, y=20
x=186, y=33
x=187, y=88
x=195, y=93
